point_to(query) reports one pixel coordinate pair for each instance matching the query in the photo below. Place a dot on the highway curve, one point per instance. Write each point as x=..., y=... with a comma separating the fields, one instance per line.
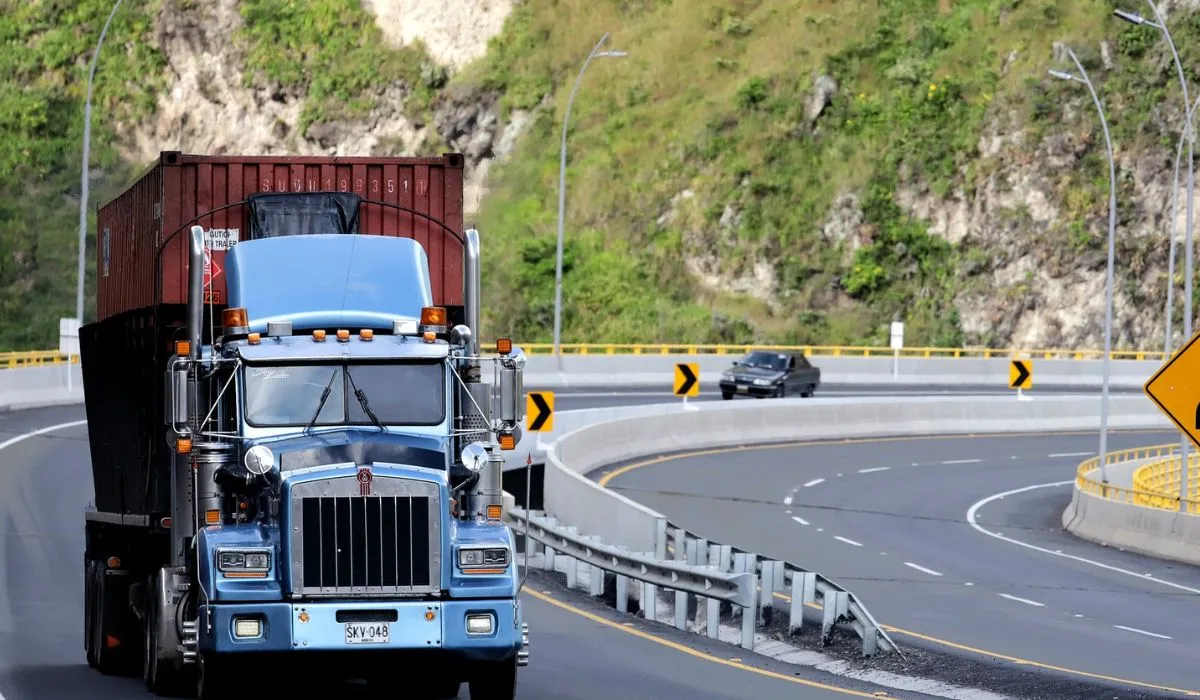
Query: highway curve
x=579, y=650
x=956, y=542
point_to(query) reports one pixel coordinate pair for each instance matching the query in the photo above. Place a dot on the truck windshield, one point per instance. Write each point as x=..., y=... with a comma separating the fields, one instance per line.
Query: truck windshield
x=412, y=393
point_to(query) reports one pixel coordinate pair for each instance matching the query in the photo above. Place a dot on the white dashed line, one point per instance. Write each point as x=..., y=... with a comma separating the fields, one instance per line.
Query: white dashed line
x=843, y=539
x=839, y=475
x=1026, y=601
x=1071, y=454
x=787, y=501
x=814, y=482
x=800, y=520
x=961, y=461
x=918, y=567
x=973, y=515
x=1138, y=631
x=873, y=469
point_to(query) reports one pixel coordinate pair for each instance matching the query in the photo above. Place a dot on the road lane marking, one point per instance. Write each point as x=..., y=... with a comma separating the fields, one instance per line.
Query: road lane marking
x=694, y=652
x=800, y=520
x=961, y=461
x=873, y=469
x=41, y=431
x=918, y=567
x=814, y=482
x=1072, y=454
x=850, y=542
x=788, y=501
x=606, y=478
x=1026, y=601
x=1148, y=634
x=973, y=514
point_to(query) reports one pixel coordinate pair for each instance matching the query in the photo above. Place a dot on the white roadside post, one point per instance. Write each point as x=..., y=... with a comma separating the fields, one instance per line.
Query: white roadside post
x=897, y=346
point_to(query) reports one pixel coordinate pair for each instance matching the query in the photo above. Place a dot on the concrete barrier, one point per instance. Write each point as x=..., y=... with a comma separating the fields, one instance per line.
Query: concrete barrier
x=658, y=370
x=577, y=500
x=1118, y=522
x=43, y=385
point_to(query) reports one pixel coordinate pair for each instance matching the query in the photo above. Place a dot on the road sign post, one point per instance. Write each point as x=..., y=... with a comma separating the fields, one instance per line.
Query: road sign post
x=687, y=380
x=1020, y=377
x=539, y=411
x=1175, y=389
x=897, y=346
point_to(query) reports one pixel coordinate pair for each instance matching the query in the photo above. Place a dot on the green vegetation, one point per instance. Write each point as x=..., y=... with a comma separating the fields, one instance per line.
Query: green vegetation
x=712, y=99
x=332, y=52
x=45, y=48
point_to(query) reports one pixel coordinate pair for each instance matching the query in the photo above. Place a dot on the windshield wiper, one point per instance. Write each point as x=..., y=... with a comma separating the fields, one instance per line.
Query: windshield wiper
x=362, y=401
x=324, y=397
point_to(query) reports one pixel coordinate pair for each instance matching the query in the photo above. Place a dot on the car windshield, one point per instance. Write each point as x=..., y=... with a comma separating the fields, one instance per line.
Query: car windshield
x=412, y=393
x=764, y=360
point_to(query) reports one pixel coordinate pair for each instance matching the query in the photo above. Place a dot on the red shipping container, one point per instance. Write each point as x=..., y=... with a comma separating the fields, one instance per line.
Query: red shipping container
x=142, y=234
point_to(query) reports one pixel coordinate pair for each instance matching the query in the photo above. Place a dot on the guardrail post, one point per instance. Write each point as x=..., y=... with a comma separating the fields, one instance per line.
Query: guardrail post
x=808, y=586
x=622, y=588
x=595, y=574
x=796, y=606
x=835, y=603
x=572, y=562
x=748, y=620
x=650, y=601
x=701, y=553
x=681, y=597
x=767, y=583
x=660, y=539
x=726, y=556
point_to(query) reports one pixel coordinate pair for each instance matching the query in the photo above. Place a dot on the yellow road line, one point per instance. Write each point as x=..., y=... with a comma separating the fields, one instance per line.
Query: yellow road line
x=609, y=476
x=606, y=478
x=692, y=652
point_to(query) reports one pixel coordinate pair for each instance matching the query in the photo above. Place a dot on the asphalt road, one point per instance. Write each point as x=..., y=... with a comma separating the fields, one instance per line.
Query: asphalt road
x=579, y=649
x=579, y=398
x=952, y=543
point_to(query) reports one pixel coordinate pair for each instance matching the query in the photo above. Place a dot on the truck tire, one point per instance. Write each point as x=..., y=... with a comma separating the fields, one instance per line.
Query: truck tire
x=162, y=677
x=495, y=680
x=89, y=610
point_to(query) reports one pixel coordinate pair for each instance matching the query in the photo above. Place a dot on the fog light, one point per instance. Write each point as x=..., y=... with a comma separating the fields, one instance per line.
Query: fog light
x=479, y=624
x=245, y=628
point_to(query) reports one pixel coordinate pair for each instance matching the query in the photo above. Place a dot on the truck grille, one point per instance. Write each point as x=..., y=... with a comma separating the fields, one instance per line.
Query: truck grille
x=386, y=543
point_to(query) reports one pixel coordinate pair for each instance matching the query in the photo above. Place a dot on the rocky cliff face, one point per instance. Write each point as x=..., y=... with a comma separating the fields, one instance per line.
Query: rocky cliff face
x=208, y=107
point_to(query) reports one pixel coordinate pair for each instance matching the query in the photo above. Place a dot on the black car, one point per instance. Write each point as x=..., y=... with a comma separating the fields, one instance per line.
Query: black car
x=764, y=373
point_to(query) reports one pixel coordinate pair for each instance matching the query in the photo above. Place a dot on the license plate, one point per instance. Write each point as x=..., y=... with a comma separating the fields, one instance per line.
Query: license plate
x=367, y=632
x=743, y=388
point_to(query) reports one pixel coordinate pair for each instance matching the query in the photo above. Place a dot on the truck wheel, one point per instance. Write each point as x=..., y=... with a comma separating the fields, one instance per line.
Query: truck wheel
x=495, y=680
x=161, y=677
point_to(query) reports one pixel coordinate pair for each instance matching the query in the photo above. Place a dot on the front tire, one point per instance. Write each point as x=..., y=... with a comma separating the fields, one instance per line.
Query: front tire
x=496, y=680
x=726, y=395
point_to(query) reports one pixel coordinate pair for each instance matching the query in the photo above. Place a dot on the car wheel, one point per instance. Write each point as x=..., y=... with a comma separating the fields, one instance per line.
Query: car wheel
x=780, y=392
x=725, y=395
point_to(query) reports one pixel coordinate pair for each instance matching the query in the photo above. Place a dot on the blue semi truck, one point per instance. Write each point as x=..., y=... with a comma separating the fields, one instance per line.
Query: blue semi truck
x=329, y=445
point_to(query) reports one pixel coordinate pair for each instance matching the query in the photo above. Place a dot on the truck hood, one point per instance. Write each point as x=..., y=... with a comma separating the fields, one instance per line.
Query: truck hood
x=360, y=447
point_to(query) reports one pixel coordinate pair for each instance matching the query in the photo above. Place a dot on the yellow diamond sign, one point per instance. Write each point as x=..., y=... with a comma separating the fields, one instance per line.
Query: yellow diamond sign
x=1175, y=388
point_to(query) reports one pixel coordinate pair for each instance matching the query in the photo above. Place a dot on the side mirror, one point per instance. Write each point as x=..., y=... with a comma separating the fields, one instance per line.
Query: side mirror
x=475, y=457
x=511, y=388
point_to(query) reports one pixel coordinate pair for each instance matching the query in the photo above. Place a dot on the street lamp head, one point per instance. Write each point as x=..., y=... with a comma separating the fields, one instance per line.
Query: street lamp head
x=1062, y=76
x=1131, y=17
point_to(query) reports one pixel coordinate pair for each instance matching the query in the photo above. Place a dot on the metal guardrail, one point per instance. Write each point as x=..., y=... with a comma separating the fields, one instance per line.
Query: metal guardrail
x=1156, y=484
x=714, y=572
x=1151, y=482
x=836, y=351
x=31, y=358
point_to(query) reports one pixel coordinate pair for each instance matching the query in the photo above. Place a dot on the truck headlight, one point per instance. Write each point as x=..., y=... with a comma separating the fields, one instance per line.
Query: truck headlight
x=247, y=562
x=481, y=558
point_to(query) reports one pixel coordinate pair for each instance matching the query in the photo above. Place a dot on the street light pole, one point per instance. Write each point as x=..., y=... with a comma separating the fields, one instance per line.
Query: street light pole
x=1112, y=230
x=562, y=194
x=1191, y=186
x=87, y=147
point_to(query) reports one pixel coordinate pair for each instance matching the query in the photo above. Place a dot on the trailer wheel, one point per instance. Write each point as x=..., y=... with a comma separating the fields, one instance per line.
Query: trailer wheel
x=495, y=680
x=89, y=611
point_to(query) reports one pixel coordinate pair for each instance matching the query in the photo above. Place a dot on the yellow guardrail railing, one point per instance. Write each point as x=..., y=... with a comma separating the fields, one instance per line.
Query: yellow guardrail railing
x=833, y=351
x=1152, y=482
x=1157, y=483
x=30, y=358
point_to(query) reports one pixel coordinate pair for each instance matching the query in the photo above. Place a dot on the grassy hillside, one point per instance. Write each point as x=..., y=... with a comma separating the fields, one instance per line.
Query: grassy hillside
x=712, y=99
x=692, y=153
